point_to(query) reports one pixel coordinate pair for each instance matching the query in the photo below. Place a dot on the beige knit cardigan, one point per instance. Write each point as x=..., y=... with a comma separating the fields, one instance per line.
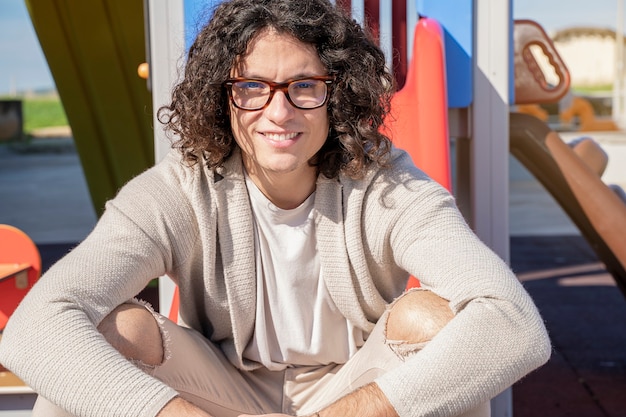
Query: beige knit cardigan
x=196, y=226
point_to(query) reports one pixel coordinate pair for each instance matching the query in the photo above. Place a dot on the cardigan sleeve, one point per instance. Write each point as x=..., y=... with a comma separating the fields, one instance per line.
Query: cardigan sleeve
x=497, y=335
x=51, y=341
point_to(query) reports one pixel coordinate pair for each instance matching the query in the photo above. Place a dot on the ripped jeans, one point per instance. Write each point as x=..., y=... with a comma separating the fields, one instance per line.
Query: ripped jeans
x=200, y=372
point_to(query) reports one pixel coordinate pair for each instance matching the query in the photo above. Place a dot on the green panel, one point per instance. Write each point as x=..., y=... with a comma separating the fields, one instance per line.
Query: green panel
x=93, y=49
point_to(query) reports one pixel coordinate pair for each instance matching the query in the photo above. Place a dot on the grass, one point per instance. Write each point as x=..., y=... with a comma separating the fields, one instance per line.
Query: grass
x=40, y=112
x=594, y=89
x=43, y=112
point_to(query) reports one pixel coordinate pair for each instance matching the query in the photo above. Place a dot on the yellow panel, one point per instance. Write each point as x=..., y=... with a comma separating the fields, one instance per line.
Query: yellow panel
x=93, y=49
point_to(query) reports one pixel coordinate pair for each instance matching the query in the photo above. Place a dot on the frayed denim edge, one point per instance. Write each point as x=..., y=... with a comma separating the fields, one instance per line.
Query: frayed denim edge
x=165, y=336
x=401, y=348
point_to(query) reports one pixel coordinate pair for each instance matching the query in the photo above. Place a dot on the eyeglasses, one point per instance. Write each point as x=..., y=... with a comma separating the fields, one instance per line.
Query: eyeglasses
x=304, y=93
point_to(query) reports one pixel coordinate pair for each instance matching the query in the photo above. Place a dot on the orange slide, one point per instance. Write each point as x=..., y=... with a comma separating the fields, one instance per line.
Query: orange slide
x=418, y=122
x=419, y=111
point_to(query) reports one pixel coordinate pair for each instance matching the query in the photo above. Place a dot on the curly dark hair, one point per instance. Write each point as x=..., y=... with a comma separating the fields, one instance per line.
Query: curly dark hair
x=358, y=102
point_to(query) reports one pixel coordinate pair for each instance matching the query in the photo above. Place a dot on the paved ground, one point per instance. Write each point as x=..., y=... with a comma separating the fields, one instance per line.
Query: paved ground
x=43, y=192
x=586, y=317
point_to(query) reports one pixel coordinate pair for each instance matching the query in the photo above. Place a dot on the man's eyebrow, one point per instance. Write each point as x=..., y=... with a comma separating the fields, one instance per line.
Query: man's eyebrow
x=299, y=76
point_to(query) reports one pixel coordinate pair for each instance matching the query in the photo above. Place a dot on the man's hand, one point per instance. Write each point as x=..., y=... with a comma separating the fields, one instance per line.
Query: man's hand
x=265, y=415
x=181, y=408
x=368, y=401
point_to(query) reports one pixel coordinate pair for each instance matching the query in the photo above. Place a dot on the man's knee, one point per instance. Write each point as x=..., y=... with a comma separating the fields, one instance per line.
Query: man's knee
x=417, y=316
x=134, y=332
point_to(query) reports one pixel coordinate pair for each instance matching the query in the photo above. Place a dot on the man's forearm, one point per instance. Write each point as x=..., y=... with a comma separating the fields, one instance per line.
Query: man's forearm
x=368, y=401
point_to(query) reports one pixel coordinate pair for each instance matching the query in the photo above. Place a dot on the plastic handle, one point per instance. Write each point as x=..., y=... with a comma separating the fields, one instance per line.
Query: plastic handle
x=531, y=86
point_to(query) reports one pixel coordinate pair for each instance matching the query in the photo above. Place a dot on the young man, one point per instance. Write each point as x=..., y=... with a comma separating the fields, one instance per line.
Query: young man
x=290, y=225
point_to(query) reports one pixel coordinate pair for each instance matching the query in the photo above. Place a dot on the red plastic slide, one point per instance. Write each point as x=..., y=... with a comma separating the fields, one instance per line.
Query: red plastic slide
x=419, y=111
x=418, y=122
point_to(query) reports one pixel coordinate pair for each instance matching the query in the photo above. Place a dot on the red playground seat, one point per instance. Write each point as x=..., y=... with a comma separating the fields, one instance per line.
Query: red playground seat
x=20, y=267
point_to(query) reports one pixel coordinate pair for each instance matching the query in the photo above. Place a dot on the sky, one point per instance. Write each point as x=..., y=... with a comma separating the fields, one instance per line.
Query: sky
x=23, y=65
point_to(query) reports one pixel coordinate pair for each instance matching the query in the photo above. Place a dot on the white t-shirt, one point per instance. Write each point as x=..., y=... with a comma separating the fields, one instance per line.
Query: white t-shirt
x=297, y=322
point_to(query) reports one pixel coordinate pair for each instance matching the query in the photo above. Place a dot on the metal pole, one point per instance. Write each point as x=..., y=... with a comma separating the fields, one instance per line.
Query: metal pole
x=358, y=11
x=489, y=150
x=167, y=43
x=411, y=21
x=386, y=31
x=618, y=81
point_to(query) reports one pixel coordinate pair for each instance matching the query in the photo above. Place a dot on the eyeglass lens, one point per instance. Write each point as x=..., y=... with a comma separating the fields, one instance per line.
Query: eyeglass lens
x=254, y=94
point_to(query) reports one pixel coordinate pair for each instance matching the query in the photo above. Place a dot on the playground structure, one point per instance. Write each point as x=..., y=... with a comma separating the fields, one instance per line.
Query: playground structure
x=534, y=110
x=582, y=110
x=20, y=267
x=93, y=49
x=597, y=210
x=570, y=173
x=532, y=87
x=579, y=116
x=109, y=106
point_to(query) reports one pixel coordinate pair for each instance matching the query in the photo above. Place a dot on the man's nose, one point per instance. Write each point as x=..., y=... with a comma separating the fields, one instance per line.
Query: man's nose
x=279, y=108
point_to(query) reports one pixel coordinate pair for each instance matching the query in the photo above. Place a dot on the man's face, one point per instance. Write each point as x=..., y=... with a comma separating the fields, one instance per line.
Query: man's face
x=278, y=141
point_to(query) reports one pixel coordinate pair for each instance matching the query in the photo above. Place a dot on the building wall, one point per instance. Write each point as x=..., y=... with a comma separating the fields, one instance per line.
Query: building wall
x=589, y=55
x=590, y=60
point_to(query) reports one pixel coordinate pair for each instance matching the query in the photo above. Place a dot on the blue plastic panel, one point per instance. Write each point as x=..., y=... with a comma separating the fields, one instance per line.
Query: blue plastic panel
x=457, y=19
x=511, y=56
x=197, y=13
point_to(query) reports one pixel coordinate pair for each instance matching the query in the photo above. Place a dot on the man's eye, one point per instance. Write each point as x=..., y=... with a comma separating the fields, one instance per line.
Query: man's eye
x=304, y=84
x=251, y=85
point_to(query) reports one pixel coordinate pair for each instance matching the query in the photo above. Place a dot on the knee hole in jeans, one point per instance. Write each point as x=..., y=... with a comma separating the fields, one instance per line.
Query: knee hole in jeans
x=417, y=316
